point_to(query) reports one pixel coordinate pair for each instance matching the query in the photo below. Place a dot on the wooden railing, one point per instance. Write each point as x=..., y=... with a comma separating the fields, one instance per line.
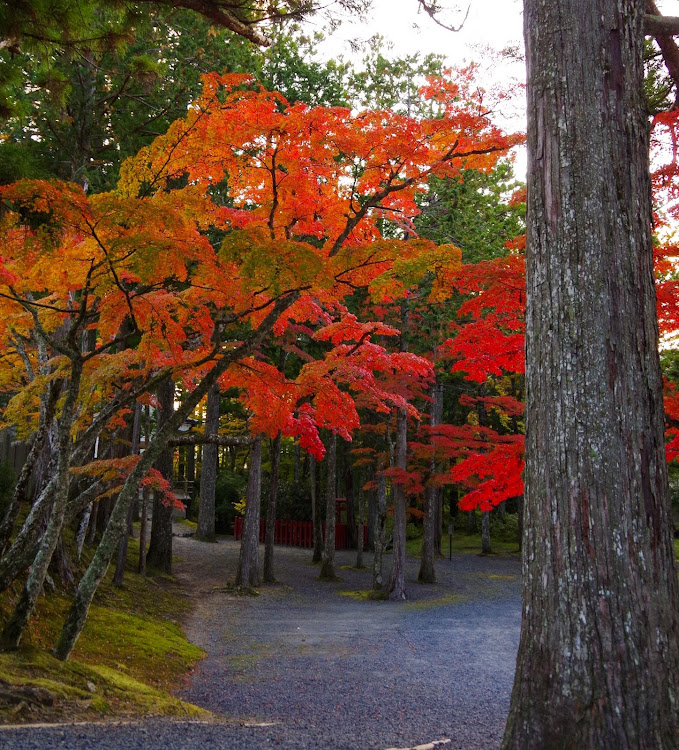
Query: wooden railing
x=298, y=533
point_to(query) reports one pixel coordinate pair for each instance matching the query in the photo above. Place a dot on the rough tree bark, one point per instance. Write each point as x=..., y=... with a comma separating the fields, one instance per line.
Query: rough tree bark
x=486, y=549
x=316, y=520
x=427, y=572
x=396, y=587
x=205, y=530
x=598, y=661
x=380, y=527
x=361, y=519
x=350, y=496
x=247, y=574
x=159, y=554
x=328, y=572
x=269, y=576
x=119, y=574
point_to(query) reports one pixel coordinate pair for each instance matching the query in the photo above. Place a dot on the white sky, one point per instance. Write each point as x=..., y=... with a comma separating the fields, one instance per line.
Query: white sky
x=491, y=25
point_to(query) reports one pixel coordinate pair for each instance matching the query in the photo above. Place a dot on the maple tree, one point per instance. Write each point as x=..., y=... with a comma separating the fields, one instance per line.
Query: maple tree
x=249, y=216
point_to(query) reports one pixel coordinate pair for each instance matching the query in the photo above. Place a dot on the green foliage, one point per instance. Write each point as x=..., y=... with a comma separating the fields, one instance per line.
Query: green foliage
x=229, y=490
x=473, y=212
x=293, y=502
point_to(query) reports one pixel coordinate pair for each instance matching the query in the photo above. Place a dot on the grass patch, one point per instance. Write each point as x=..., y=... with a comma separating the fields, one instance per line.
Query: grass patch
x=131, y=652
x=464, y=544
x=366, y=595
x=359, y=596
x=441, y=601
x=189, y=524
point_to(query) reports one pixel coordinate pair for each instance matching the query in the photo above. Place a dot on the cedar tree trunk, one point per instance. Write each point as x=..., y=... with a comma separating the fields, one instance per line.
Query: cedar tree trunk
x=427, y=572
x=598, y=662
x=205, y=530
x=269, y=576
x=328, y=561
x=316, y=520
x=379, y=534
x=160, y=547
x=247, y=574
x=397, y=580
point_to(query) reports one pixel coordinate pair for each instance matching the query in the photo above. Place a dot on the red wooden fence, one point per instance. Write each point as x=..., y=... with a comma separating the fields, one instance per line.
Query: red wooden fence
x=298, y=533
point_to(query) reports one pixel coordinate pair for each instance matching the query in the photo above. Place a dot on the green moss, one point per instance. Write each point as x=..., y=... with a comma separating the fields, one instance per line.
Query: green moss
x=442, y=601
x=359, y=596
x=131, y=652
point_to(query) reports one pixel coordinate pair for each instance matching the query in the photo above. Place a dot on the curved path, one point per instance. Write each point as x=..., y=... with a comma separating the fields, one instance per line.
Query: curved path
x=304, y=666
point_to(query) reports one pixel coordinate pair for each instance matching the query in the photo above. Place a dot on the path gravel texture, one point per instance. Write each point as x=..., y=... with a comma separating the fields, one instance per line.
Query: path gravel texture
x=304, y=666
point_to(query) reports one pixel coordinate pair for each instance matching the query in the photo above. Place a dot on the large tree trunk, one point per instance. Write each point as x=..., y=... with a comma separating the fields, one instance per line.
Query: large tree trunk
x=598, y=662
x=316, y=520
x=328, y=561
x=247, y=574
x=269, y=576
x=205, y=531
x=159, y=555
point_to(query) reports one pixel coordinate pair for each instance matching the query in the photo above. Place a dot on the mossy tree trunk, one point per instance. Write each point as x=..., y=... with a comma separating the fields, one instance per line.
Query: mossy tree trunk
x=15, y=626
x=598, y=660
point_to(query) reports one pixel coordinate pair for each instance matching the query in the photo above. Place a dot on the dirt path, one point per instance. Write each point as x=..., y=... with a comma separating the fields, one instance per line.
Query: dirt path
x=332, y=672
x=302, y=666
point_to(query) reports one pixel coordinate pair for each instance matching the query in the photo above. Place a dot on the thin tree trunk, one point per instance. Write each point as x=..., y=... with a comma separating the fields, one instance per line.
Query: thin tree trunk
x=205, y=531
x=159, y=554
x=371, y=522
x=14, y=628
x=397, y=580
x=22, y=483
x=119, y=574
x=191, y=480
x=598, y=660
x=427, y=572
x=269, y=576
x=247, y=574
x=485, y=533
x=145, y=496
x=349, y=495
x=316, y=520
x=328, y=562
x=380, y=527
x=361, y=513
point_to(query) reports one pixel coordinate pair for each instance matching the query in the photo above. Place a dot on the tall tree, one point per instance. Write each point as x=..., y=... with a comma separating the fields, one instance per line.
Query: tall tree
x=598, y=661
x=205, y=530
x=160, y=547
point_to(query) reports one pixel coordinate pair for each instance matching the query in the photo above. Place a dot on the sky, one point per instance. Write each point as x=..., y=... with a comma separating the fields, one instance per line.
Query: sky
x=491, y=25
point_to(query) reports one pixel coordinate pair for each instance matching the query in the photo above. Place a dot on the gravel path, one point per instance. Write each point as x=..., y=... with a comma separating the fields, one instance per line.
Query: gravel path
x=303, y=666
